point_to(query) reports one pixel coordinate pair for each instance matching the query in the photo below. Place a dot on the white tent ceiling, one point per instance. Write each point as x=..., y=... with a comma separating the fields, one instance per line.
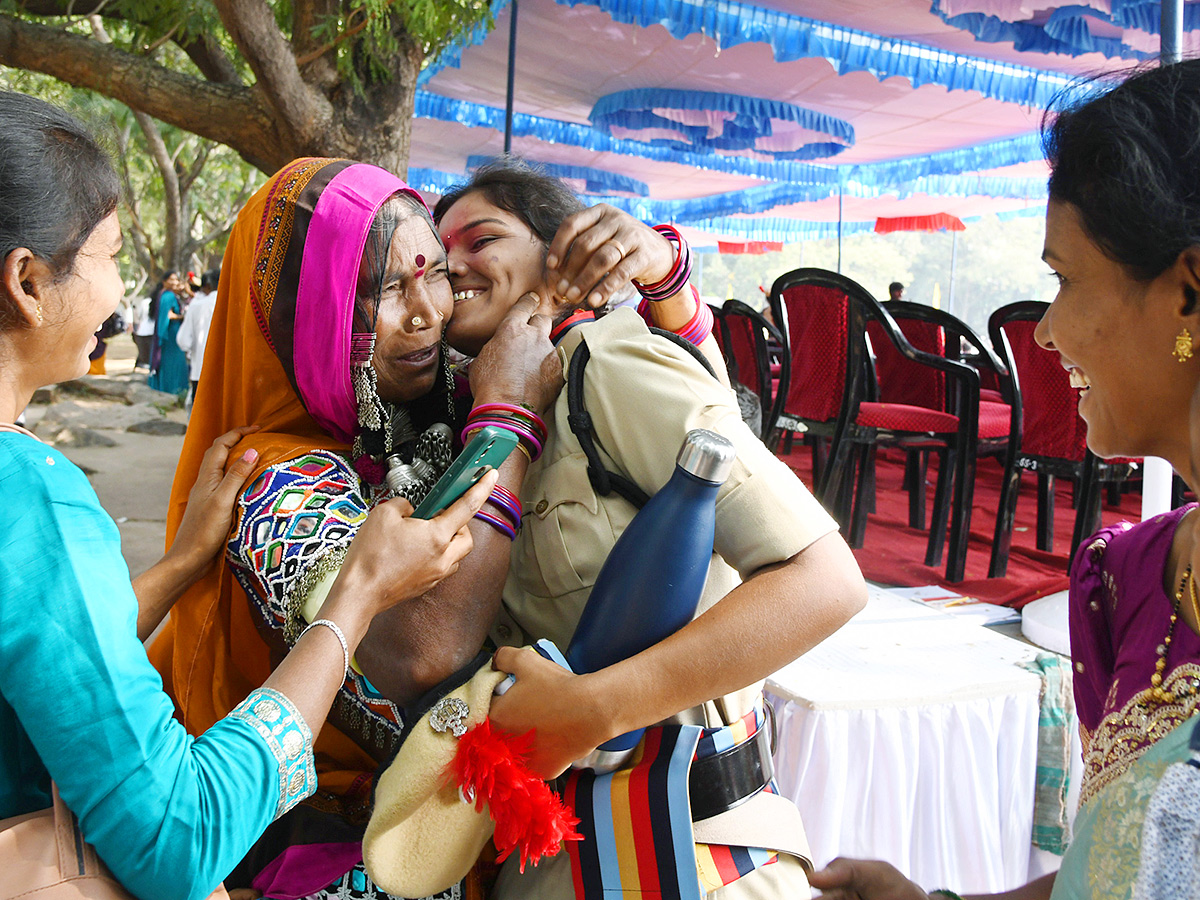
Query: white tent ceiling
x=927, y=118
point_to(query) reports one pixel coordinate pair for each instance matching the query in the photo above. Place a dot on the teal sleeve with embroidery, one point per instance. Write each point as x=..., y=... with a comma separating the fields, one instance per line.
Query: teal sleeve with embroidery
x=80, y=703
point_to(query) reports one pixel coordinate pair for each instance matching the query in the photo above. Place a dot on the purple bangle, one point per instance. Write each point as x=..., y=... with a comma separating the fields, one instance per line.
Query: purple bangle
x=514, y=511
x=499, y=524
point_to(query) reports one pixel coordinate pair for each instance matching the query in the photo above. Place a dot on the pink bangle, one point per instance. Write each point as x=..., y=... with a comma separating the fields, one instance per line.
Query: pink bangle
x=680, y=271
x=522, y=414
x=699, y=326
x=528, y=439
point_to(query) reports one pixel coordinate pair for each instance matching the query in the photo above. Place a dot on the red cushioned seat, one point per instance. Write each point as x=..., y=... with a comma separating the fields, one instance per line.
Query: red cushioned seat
x=995, y=419
x=861, y=379
x=743, y=333
x=903, y=417
x=990, y=395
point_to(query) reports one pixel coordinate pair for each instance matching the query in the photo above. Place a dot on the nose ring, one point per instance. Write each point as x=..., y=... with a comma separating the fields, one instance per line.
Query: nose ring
x=417, y=321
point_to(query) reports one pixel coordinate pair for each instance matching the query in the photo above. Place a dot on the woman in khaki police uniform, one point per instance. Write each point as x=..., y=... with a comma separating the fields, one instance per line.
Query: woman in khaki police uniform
x=784, y=577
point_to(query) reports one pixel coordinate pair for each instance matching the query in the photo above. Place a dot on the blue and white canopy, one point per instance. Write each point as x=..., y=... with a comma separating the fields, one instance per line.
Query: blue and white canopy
x=756, y=121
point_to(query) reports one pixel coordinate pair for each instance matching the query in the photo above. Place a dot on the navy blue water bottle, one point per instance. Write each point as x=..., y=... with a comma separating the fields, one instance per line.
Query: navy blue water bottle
x=651, y=582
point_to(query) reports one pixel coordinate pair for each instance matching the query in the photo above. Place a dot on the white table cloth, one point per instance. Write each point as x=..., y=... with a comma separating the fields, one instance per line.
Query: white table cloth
x=911, y=736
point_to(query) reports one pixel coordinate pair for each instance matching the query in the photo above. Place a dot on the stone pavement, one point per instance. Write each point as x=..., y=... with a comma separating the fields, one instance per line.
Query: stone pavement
x=126, y=438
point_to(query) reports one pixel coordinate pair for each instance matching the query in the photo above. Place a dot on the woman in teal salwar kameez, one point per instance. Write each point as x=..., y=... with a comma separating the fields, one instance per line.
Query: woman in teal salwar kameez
x=80, y=704
x=1123, y=240
x=171, y=375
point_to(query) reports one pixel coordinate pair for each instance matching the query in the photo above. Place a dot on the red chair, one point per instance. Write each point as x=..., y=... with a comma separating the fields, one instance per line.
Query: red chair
x=743, y=334
x=1049, y=437
x=824, y=316
x=902, y=381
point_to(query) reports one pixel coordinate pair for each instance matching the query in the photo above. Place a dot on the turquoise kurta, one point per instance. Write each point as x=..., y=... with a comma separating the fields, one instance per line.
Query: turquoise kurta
x=172, y=374
x=80, y=702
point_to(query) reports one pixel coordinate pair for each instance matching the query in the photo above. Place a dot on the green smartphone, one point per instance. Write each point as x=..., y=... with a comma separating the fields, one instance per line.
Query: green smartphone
x=487, y=450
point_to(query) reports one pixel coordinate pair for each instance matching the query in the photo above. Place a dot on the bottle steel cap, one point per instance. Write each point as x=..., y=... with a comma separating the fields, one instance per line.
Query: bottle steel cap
x=706, y=455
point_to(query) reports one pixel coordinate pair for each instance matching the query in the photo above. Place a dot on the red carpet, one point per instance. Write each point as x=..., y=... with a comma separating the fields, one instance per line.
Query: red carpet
x=894, y=554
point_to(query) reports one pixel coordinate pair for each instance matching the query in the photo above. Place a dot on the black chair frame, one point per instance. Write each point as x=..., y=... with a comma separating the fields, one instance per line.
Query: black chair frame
x=1089, y=475
x=836, y=486
x=772, y=404
x=956, y=332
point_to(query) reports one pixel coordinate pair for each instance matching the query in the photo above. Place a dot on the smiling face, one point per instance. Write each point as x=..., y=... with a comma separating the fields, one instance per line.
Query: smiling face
x=413, y=307
x=494, y=259
x=77, y=304
x=1114, y=335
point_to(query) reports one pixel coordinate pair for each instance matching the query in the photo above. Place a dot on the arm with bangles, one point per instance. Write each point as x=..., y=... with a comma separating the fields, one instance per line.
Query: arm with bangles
x=415, y=647
x=598, y=251
x=434, y=551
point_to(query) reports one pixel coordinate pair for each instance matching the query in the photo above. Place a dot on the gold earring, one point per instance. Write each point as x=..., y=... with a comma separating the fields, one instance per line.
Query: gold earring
x=39, y=313
x=1183, y=346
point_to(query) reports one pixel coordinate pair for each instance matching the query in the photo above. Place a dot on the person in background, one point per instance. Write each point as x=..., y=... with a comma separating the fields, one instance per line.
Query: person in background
x=171, y=373
x=895, y=291
x=145, y=311
x=193, y=333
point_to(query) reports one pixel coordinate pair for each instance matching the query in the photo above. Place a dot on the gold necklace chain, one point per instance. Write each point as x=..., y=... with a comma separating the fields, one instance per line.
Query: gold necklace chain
x=1157, y=692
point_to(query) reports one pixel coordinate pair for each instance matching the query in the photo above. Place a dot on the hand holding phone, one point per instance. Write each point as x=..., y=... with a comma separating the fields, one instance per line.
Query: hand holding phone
x=487, y=450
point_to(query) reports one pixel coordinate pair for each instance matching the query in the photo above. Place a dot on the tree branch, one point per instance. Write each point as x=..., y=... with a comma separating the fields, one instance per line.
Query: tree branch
x=192, y=170
x=251, y=24
x=321, y=72
x=224, y=113
x=210, y=58
x=162, y=161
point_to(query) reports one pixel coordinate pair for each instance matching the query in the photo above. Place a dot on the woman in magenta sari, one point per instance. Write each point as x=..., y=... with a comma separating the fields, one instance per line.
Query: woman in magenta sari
x=1123, y=239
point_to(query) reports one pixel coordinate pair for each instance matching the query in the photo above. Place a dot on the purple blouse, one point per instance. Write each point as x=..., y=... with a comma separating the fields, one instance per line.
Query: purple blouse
x=1119, y=615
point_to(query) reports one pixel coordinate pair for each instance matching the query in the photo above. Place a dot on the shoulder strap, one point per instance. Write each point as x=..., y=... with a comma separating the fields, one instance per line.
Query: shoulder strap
x=604, y=481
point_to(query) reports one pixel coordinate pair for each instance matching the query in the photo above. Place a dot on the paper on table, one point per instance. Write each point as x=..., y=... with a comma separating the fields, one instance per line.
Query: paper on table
x=936, y=597
x=899, y=653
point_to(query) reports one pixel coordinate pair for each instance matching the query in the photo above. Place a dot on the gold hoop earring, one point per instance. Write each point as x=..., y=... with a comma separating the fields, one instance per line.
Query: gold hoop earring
x=1183, y=346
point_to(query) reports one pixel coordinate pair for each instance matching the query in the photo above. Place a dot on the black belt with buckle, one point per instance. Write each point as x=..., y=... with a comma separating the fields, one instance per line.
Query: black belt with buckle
x=724, y=780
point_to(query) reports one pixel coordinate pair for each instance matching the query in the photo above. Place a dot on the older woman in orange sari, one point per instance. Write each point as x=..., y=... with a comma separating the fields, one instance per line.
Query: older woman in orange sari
x=327, y=336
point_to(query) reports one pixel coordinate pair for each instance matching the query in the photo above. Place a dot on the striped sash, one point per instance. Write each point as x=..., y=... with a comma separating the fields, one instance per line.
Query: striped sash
x=637, y=825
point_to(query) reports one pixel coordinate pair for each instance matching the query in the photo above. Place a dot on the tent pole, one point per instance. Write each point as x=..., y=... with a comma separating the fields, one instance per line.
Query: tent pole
x=839, y=227
x=1157, y=474
x=512, y=72
x=953, y=259
x=1170, y=32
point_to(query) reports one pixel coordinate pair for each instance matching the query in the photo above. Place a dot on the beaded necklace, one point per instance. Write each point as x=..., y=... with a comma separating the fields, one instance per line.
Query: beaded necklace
x=1157, y=692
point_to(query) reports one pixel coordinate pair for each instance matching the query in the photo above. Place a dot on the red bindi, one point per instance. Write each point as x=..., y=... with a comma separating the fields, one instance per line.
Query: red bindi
x=420, y=265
